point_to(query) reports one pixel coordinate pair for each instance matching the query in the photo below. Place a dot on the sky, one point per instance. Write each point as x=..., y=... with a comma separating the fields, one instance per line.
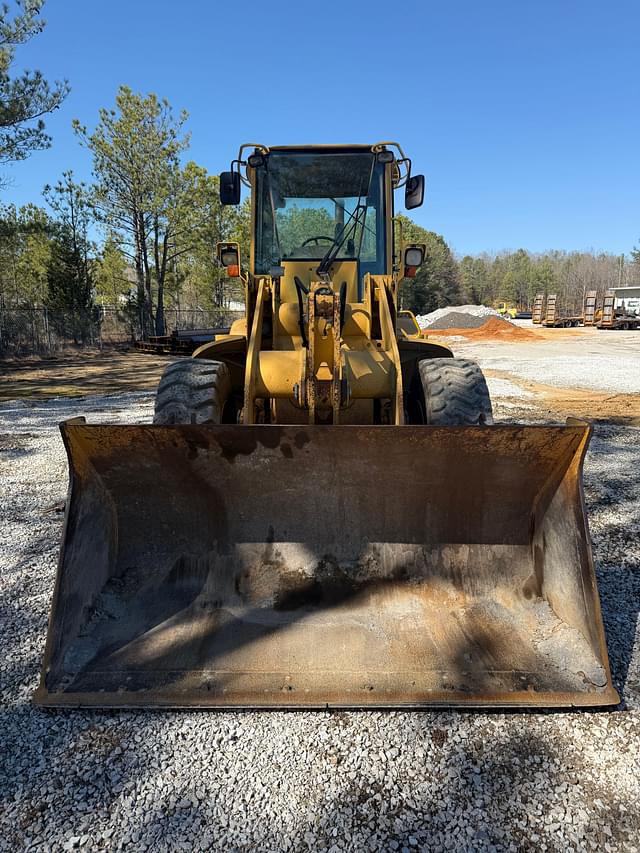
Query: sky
x=523, y=114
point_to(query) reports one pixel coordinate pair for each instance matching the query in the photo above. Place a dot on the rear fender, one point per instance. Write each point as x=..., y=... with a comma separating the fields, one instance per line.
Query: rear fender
x=232, y=351
x=414, y=350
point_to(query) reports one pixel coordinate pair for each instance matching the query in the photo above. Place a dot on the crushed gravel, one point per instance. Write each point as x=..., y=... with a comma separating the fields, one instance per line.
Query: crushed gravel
x=318, y=781
x=458, y=317
x=610, y=372
x=500, y=388
x=589, y=359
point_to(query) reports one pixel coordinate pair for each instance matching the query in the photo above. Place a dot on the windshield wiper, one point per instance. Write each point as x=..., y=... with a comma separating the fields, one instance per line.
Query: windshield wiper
x=364, y=224
x=348, y=231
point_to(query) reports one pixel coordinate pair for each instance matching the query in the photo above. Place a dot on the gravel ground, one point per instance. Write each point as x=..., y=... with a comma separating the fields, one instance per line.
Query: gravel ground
x=610, y=373
x=500, y=388
x=306, y=781
x=583, y=358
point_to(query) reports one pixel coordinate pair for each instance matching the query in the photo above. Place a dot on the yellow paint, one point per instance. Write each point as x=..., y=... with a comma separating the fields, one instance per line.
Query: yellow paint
x=319, y=371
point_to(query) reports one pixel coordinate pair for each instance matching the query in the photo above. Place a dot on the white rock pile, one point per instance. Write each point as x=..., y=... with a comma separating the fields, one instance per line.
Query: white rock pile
x=457, y=317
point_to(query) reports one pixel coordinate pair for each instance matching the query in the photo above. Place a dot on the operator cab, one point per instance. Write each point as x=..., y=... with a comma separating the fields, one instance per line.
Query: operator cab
x=322, y=206
x=323, y=212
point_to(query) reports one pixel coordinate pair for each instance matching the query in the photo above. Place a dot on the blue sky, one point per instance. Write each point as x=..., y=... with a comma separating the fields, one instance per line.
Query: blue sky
x=524, y=116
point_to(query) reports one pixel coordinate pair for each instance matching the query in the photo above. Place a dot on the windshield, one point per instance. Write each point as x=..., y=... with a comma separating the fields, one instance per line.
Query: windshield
x=320, y=206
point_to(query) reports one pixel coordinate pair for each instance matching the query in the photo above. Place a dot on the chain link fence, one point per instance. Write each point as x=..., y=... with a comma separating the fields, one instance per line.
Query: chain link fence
x=40, y=330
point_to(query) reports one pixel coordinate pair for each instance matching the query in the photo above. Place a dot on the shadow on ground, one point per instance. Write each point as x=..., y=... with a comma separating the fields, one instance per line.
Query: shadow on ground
x=82, y=374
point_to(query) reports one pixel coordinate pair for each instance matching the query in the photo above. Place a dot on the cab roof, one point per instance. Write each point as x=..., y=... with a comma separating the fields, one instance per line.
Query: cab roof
x=345, y=147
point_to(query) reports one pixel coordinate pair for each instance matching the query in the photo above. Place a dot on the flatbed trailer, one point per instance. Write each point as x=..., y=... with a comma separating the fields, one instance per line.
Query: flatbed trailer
x=182, y=342
x=625, y=322
x=564, y=322
x=616, y=318
x=554, y=319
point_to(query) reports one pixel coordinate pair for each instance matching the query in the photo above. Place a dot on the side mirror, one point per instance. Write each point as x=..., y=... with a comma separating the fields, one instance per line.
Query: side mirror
x=414, y=192
x=229, y=256
x=413, y=258
x=230, y=188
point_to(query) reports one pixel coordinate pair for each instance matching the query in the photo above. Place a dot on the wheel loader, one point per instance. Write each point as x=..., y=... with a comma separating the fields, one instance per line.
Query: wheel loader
x=323, y=513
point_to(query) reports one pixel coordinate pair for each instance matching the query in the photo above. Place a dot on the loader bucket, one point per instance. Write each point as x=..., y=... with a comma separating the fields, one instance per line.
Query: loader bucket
x=288, y=566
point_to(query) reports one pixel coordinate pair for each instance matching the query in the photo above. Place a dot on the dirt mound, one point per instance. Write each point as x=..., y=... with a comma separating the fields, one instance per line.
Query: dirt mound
x=492, y=329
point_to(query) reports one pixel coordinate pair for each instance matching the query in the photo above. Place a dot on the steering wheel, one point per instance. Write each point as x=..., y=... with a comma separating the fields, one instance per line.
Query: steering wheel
x=316, y=240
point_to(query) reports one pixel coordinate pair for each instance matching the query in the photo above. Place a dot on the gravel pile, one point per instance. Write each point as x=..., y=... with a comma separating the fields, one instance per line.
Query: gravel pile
x=457, y=317
x=304, y=781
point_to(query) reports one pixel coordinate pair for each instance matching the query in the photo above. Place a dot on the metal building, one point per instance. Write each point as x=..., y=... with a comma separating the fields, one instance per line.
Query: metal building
x=629, y=298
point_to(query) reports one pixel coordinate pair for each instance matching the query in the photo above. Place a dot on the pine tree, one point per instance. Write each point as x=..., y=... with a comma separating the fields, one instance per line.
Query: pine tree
x=24, y=99
x=136, y=149
x=436, y=283
x=70, y=297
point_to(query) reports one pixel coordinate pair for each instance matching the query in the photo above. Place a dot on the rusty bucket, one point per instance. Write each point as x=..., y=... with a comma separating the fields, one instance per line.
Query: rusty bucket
x=338, y=566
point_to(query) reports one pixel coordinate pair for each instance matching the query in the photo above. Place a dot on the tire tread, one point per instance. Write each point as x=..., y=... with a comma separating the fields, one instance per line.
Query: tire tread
x=455, y=392
x=192, y=391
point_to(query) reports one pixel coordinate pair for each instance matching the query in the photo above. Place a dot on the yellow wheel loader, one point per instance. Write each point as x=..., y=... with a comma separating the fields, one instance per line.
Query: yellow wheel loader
x=322, y=513
x=505, y=309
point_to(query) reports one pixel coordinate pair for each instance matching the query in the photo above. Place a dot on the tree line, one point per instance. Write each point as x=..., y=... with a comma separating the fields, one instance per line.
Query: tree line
x=49, y=259
x=510, y=276
x=162, y=254
x=159, y=219
x=141, y=235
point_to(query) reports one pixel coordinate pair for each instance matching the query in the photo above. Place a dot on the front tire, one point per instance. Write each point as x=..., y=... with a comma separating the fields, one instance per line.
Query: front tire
x=450, y=392
x=193, y=391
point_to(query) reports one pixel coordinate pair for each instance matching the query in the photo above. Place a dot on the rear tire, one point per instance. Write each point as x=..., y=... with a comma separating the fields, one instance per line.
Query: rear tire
x=454, y=393
x=192, y=391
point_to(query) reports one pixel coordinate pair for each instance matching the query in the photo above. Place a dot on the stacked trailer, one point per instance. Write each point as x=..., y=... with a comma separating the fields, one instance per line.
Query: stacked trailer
x=538, y=308
x=589, y=311
x=616, y=318
x=555, y=319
